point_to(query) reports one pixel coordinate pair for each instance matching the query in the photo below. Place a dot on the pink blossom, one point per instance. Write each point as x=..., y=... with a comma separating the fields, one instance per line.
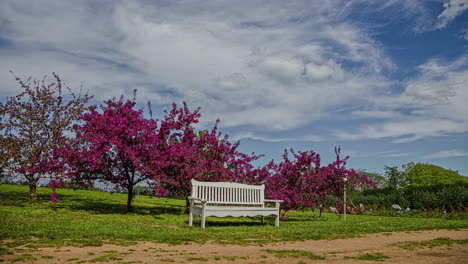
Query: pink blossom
x=53, y=197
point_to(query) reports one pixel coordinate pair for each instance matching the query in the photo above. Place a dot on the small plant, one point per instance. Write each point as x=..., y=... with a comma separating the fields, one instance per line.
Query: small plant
x=375, y=257
x=335, y=252
x=293, y=253
x=232, y=258
x=164, y=250
x=5, y=251
x=409, y=245
x=441, y=241
x=197, y=259
x=24, y=258
x=105, y=258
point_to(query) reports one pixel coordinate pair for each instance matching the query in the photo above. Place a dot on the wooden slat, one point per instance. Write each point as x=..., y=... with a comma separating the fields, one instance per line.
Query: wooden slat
x=228, y=193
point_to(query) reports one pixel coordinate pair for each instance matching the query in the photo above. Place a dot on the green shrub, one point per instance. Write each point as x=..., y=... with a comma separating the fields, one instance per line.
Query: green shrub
x=437, y=196
x=441, y=196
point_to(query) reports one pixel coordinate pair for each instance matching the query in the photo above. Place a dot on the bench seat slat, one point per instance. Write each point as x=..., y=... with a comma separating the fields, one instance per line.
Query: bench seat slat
x=235, y=208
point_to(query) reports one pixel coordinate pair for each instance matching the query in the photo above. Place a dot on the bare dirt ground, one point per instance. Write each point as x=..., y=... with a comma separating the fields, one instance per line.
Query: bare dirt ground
x=334, y=251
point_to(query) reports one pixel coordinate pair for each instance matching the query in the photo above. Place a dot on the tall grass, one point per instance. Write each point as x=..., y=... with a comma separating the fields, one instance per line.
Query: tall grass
x=86, y=217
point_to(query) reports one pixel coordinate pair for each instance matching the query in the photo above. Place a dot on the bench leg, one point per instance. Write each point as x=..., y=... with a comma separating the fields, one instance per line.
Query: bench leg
x=190, y=218
x=203, y=216
x=277, y=205
x=203, y=220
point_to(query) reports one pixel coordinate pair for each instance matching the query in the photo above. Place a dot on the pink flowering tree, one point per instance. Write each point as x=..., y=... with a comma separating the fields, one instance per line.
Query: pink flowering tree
x=120, y=146
x=303, y=183
x=116, y=145
x=53, y=184
x=291, y=178
x=34, y=125
x=203, y=155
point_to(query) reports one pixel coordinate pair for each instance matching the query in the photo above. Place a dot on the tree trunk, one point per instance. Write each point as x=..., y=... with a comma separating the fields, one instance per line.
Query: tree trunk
x=130, y=199
x=187, y=205
x=32, y=190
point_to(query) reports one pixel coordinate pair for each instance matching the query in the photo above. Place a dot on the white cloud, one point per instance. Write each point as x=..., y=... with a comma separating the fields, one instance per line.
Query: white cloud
x=276, y=139
x=406, y=131
x=378, y=114
x=396, y=155
x=233, y=82
x=284, y=69
x=452, y=9
x=249, y=73
x=328, y=70
x=441, y=90
x=104, y=82
x=446, y=154
x=432, y=104
x=359, y=47
x=278, y=66
x=418, y=15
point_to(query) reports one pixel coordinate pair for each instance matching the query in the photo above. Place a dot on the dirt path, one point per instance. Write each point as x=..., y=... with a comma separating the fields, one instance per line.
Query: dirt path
x=334, y=251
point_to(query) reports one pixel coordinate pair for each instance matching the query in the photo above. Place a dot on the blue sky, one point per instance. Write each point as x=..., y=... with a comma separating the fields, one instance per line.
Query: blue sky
x=385, y=80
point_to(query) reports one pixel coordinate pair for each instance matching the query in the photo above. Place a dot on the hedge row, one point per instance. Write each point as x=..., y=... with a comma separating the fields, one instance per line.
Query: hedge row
x=415, y=197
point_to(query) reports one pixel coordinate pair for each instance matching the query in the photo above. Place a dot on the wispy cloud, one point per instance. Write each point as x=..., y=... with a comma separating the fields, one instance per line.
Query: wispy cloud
x=277, y=139
x=419, y=15
x=432, y=104
x=405, y=131
x=446, y=154
x=281, y=66
x=395, y=154
x=452, y=9
x=234, y=59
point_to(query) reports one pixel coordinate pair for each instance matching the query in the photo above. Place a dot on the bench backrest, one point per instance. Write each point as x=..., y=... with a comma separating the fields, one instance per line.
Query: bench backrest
x=228, y=192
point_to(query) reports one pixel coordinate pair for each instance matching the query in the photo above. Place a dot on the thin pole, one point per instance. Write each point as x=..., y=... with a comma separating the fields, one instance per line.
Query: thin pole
x=344, y=205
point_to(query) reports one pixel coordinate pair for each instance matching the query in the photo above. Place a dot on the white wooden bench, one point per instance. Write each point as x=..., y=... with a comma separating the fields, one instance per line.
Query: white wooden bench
x=223, y=199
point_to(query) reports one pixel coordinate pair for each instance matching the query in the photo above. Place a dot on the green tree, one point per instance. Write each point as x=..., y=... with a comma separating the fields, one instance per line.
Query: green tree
x=395, y=179
x=421, y=174
x=379, y=180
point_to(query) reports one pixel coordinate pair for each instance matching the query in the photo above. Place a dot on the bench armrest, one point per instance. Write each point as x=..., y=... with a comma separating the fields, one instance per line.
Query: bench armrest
x=197, y=199
x=273, y=201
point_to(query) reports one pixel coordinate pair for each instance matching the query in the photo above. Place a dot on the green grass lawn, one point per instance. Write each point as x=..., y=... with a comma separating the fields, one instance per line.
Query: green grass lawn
x=86, y=217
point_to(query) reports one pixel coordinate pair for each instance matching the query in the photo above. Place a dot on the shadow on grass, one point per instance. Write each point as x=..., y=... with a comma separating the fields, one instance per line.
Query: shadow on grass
x=105, y=206
x=229, y=223
x=253, y=222
x=80, y=203
x=20, y=199
x=306, y=219
x=234, y=221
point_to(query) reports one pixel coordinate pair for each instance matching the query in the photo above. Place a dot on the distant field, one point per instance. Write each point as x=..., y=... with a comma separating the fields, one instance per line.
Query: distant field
x=86, y=217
